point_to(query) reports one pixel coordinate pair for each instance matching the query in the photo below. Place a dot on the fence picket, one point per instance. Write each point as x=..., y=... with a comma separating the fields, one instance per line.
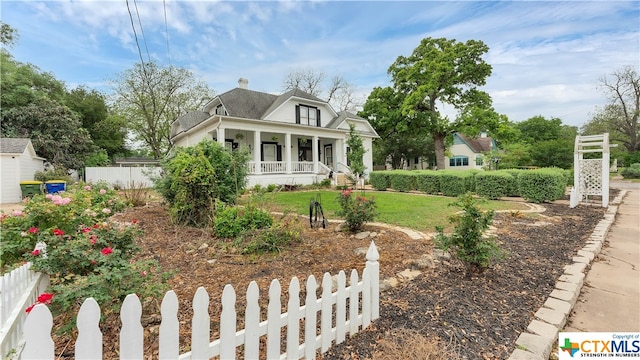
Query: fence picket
x=310, y=320
x=200, y=329
x=374, y=284
x=341, y=308
x=252, y=323
x=89, y=341
x=228, y=324
x=326, y=308
x=37, y=331
x=293, y=319
x=131, y=334
x=353, y=303
x=169, y=327
x=274, y=320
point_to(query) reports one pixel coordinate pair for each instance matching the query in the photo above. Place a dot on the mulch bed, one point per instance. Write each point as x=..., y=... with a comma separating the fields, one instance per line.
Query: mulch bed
x=482, y=315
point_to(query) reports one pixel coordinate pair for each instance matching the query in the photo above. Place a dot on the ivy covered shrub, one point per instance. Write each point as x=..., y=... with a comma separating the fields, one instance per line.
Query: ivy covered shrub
x=631, y=172
x=468, y=242
x=402, y=180
x=494, y=184
x=194, y=177
x=454, y=182
x=542, y=185
x=379, y=180
x=232, y=221
x=428, y=181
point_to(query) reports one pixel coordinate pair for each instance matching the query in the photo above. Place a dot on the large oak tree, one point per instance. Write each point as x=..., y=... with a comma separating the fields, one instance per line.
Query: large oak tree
x=440, y=71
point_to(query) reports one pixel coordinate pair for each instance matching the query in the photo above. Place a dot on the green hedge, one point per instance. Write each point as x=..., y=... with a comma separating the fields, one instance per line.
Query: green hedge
x=428, y=181
x=455, y=182
x=632, y=172
x=494, y=184
x=542, y=184
x=514, y=191
x=379, y=180
x=402, y=180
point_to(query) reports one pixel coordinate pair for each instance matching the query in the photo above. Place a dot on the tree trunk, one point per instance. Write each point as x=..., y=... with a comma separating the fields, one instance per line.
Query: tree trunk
x=438, y=140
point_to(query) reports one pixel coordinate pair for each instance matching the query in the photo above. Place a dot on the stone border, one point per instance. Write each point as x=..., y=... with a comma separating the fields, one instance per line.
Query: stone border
x=542, y=333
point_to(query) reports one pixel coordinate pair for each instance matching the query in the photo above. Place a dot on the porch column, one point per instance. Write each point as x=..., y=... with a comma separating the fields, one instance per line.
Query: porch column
x=338, y=155
x=314, y=151
x=220, y=136
x=256, y=152
x=287, y=153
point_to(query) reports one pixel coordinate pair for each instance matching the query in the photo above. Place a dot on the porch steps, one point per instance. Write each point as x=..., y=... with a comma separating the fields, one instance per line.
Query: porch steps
x=342, y=179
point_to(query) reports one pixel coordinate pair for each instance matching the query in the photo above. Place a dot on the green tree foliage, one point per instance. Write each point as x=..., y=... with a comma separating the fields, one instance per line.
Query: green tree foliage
x=196, y=177
x=107, y=131
x=549, y=143
x=150, y=97
x=55, y=131
x=399, y=139
x=24, y=84
x=356, y=151
x=8, y=35
x=440, y=70
x=621, y=117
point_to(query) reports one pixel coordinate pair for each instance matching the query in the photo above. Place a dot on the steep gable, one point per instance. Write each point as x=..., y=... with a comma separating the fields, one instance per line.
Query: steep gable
x=478, y=145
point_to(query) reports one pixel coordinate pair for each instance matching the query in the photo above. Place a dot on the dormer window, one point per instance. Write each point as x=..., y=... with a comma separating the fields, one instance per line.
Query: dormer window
x=220, y=110
x=307, y=115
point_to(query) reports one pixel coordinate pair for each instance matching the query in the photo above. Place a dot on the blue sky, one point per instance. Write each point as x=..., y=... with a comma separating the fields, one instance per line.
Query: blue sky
x=547, y=56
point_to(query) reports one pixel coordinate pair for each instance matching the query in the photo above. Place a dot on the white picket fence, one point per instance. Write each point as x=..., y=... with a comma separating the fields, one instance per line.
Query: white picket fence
x=18, y=290
x=356, y=306
x=123, y=177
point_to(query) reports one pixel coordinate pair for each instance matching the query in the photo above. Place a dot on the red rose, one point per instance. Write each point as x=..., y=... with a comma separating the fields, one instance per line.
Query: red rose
x=106, y=251
x=58, y=232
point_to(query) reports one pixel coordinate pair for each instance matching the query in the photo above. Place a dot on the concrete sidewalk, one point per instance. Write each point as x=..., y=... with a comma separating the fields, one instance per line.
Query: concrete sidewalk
x=610, y=298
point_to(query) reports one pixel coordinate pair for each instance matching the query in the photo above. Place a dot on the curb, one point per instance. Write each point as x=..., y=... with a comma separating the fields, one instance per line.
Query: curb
x=542, y=333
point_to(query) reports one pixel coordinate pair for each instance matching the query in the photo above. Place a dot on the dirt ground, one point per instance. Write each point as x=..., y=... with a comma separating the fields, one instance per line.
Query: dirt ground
x=479, y=316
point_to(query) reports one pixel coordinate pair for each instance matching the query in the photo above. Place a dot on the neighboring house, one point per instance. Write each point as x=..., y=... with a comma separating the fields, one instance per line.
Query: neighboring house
x=294, y=138
x=18, y=162
x=469, y=153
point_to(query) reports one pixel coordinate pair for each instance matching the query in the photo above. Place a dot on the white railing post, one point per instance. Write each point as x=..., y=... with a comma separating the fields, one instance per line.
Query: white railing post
x=228, y=324
x=37, y=334
x=252, y=323
x=293, y=319
x=374, y=272
x=200, y=325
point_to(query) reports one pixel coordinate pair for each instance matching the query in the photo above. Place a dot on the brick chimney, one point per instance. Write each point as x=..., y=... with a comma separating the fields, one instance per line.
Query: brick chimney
x=243, y=83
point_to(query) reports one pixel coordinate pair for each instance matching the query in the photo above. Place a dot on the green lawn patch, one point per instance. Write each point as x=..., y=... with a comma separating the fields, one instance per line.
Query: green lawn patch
x=414, y=211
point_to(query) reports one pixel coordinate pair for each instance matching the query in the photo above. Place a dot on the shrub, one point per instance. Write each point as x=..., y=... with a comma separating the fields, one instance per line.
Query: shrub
x=514, y=191
x=137, y=194
x=271, y=187
x=58, y=173
x=356, y=210
x=273, y=239
x=467, y=241
x=428, y=181
x=233, y=221
x=494, y=184
x=379, y=180
x=632, y=172
x=86, y=255
x=194, y=177
x=454, y=182
x=402, y=180
x=542, y=185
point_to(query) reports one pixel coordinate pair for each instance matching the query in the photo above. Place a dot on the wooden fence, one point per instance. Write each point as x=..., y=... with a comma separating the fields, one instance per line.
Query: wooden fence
x=18, y=290
x=355, y=305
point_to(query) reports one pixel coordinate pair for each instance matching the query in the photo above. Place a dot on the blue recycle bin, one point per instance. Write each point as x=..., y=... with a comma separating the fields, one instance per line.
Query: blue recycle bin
x=54, y=186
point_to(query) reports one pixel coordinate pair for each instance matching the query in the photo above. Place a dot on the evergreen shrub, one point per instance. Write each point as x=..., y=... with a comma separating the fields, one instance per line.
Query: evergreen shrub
x=494, y=184
x=402, y=180
x=542, y=185
x=428, y=181
x=379, y=180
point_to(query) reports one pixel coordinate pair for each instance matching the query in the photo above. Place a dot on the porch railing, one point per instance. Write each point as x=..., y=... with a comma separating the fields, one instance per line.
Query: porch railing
x=280, y=167
x=302, y=167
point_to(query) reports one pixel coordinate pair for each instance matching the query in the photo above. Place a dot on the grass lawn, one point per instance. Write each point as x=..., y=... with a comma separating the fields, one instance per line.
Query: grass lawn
x=414, y=211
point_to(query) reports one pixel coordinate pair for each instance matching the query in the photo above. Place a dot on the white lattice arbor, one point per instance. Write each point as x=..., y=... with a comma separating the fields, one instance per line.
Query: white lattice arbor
x=591, y=176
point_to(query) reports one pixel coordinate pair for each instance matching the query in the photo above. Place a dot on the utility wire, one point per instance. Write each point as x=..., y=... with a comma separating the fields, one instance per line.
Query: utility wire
x=135, y=35
x=166, y=29
x=142, y=30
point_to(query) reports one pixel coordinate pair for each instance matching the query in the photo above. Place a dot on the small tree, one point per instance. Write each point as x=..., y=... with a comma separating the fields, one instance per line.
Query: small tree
x=467, y=240
x=356, y=152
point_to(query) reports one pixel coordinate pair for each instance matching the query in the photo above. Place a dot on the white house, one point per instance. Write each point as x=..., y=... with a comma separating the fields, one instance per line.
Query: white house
x=18, y=162
x=294, y=138
x=469, y=153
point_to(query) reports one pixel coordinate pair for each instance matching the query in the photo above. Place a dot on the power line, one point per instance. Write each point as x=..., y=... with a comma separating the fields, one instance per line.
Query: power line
x=166, y=29
x=142, y=30
x=135, y=35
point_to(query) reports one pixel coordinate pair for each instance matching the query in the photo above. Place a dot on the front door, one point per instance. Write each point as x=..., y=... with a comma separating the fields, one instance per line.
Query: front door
x=269, y=152
x=328, y=156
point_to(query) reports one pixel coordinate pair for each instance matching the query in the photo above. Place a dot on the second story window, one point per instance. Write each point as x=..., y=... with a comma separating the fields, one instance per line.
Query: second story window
x=307, y=115
x=220, y=110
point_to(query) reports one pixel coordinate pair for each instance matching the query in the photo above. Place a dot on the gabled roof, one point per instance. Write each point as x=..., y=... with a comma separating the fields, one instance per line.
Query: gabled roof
x=13, y=145
x=189, y=120
x=245, y=103
x=478, y=145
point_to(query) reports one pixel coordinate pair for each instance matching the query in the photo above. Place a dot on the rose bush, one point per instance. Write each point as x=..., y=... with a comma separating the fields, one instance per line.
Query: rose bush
x=355, y=209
